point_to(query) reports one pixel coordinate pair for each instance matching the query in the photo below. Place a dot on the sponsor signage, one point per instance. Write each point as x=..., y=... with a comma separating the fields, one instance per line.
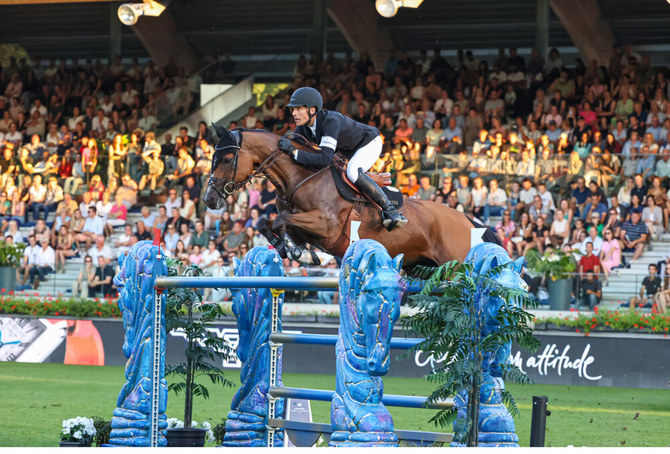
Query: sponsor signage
x=602, y=359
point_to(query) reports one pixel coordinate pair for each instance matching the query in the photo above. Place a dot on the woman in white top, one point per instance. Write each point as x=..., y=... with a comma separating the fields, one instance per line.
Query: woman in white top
x=560, y=229
x=187, y=209
x=624, y=195
x=652, y=215
x=479, y=194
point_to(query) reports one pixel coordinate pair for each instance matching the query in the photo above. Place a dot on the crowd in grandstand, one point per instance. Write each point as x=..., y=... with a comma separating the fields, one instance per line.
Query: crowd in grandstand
x=552, y=157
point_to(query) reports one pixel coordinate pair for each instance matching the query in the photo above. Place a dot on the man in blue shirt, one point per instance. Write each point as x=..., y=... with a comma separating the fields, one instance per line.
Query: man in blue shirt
x=633, y=142
x=581, y=194
x=655, y=128
x=646, y=162
x=553, y=132
x=597, y=206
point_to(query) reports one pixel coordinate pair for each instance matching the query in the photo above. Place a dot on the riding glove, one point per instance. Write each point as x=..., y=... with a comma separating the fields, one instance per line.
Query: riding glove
x=287, y=147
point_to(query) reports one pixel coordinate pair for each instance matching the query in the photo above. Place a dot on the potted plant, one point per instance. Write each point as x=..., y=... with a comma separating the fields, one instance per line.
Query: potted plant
x=77, y=432
x=471, y=319
x=187, y=315
x=556, y=267
x=10, y=260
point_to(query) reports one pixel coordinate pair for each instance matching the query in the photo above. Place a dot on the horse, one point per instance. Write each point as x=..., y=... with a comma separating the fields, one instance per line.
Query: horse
x=247, y=419
x=370, y=294
x=135, y=282
x=312, y=211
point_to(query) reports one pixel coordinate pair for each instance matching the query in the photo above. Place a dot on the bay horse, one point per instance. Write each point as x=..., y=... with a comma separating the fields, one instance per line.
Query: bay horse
x=312, y=211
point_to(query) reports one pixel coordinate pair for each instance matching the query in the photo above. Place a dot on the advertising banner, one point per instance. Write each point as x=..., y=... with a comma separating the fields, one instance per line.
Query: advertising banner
x=566, y=358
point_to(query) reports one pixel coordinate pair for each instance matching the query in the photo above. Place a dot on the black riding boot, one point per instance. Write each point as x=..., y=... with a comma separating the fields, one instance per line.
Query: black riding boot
x=392, y=218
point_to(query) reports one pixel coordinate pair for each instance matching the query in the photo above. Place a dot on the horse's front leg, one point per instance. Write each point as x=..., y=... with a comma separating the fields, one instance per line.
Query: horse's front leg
x=266, y=228
x=310, y=223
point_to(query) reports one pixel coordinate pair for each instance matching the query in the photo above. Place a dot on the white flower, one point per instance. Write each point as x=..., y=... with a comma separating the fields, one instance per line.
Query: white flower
x=206, y=425
x=78, y=435
x=210, y=436
x=174, y=423
x=553, y=258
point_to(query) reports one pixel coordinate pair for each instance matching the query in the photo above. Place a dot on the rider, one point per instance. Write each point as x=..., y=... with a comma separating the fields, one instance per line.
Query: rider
x=332, y=130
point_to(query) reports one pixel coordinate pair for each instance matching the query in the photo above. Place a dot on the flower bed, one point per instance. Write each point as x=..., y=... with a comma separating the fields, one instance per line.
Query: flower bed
x=621, y=321
x=59, y=306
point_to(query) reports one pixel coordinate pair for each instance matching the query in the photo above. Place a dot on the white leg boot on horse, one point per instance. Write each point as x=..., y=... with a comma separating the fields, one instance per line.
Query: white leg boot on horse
x=392, y=218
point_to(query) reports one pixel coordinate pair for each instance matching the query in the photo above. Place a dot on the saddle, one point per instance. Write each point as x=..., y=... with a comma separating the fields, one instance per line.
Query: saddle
x=350, y=192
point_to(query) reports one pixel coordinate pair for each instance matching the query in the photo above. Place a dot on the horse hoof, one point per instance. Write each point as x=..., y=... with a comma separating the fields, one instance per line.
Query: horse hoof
x=295, y=253
x=315, y=258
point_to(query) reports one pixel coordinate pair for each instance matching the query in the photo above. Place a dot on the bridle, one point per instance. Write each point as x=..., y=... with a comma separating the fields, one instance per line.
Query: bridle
x=231, y=186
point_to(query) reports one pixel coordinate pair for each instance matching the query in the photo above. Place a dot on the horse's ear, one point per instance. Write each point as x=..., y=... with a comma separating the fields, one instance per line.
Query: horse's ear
x=370, y=263
x=397, y=261
x=518, y=264
x=220, y=130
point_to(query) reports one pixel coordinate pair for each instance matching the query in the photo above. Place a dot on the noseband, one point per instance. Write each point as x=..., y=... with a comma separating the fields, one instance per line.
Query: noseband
x=228, y=187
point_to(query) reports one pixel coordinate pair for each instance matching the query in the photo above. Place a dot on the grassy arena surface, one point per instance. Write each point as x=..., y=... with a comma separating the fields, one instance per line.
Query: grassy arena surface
x=37, y=397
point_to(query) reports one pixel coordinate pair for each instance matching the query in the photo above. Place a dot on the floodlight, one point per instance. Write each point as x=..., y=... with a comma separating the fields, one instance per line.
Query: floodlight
x=129, y=13
x=389, y=8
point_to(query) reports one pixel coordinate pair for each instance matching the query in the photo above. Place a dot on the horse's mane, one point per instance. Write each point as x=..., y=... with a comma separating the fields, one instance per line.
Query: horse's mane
x=299, y=140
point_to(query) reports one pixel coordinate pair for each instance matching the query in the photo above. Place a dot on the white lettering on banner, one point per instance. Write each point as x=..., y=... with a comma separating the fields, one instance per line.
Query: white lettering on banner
x=551, y=361
x=546, y=362
x=232, y=337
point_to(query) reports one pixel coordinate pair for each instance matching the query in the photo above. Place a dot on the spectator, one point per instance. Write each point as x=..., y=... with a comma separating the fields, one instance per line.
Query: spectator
x=102, y=283
x=80, y=288
x=100, y=250
x=589, y=261
x=426, y=191
x=496, y=201
x=92, y=227
x=46, y=261
x=560, y=229
x=634, y=235
x=610, y=253
x=650, y=287
x=591, y=290
x=28, y=261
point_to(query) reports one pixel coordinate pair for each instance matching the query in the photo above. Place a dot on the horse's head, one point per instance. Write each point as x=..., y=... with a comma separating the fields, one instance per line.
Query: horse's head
x=378, y=309
x=229, y=170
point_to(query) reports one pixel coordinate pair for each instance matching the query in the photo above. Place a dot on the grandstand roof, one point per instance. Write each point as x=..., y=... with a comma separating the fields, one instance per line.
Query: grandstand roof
x=250, y=27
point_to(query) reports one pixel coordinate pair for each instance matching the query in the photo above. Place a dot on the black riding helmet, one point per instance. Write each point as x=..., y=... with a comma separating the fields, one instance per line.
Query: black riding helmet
x=308, y=97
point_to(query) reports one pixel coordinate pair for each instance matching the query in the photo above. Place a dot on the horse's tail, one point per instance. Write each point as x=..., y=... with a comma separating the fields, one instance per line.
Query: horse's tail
x=489, y=236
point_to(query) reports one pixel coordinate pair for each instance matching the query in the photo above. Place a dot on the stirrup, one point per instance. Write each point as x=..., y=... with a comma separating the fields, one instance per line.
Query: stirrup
x=390, y=223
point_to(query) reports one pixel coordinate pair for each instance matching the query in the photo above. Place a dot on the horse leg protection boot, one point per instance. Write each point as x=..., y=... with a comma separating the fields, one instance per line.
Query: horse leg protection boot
x=392, y=217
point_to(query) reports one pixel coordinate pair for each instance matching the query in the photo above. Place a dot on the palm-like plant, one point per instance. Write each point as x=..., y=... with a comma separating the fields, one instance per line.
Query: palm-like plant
x=456, y=319
x=185, y=311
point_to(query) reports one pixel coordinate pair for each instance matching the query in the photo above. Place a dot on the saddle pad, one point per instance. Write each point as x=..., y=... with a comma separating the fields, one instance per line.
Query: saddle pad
x=394, y=195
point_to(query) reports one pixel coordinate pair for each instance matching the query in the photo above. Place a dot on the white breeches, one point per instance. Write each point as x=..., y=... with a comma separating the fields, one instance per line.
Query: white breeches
x=364, y=158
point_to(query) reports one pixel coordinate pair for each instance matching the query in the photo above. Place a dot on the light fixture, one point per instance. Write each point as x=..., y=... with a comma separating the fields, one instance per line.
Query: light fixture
x=129, y=13
x=389, y=8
